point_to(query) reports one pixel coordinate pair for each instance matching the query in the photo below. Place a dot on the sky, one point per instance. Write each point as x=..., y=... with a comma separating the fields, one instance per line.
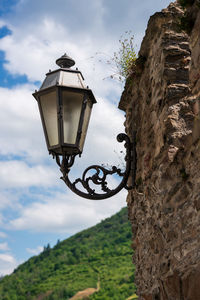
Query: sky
x=36, y=207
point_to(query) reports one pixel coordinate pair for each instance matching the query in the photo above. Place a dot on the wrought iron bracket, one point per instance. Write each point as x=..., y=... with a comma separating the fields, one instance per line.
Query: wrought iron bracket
x=99, y=178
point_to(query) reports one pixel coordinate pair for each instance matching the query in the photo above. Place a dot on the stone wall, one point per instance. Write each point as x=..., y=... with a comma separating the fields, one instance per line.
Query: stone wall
x=161, y=100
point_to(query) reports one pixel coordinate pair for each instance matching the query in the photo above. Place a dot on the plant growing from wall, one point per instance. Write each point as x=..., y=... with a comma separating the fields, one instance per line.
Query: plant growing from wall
x=123, y=61
x=125, y=58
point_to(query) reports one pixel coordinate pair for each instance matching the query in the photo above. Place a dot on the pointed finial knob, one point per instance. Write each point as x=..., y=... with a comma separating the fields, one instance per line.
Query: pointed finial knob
x=65, y=61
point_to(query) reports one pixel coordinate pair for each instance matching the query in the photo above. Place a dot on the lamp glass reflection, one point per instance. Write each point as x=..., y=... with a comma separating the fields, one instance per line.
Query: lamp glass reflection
x=49, y=111
x=72, y=105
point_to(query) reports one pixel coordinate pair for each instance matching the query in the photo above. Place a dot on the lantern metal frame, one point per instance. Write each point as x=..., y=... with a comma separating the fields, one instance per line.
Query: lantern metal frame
x=65, y=153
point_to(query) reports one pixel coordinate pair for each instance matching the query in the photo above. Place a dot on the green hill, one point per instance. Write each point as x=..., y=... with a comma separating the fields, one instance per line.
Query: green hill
x=100, y=256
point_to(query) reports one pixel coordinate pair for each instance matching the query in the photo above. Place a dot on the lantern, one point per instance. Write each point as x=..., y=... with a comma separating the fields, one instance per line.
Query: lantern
x=65, y=105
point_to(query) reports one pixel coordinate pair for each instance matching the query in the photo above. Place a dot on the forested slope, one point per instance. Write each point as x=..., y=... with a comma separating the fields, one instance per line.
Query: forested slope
x=102, y=253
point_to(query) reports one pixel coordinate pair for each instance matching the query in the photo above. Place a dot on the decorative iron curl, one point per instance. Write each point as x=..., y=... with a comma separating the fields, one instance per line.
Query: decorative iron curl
x=101, y=173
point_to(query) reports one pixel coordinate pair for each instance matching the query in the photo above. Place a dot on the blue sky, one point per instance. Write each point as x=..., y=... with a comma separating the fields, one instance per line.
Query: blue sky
x=36, y=208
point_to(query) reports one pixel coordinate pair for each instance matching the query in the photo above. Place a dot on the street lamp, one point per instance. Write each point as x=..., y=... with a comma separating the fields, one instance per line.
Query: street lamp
x=65, y=105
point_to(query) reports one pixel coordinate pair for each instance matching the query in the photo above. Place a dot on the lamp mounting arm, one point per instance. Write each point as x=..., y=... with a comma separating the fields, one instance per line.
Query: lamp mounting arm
x=99, y=178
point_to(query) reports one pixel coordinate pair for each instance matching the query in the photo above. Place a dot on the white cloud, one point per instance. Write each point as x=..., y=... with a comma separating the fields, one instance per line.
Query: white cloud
x=40, y=45
x=46, y=42
x=7, y=263
x=3, y=234
x=21, y=132
x=35, y=251
x=24, y=176
x=4, y=200
x=9, y=200
x=4, y=246
x=2, y=23
x=42, y=33
x=66, y=213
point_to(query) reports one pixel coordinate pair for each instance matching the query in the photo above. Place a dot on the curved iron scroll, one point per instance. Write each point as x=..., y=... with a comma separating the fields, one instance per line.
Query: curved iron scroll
x=101, y=173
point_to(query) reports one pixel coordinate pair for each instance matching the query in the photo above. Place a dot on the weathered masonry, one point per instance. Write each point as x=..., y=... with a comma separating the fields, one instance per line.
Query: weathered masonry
x=162, y=103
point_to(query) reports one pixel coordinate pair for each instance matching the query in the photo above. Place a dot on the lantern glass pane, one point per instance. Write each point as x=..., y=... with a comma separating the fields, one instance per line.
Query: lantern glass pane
x=71, y=79
x=49, y=111
x=85, y=123
x=72, y=105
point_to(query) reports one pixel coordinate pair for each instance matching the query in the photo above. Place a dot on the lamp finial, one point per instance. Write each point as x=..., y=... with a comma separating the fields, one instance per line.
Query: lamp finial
x=65, y=61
